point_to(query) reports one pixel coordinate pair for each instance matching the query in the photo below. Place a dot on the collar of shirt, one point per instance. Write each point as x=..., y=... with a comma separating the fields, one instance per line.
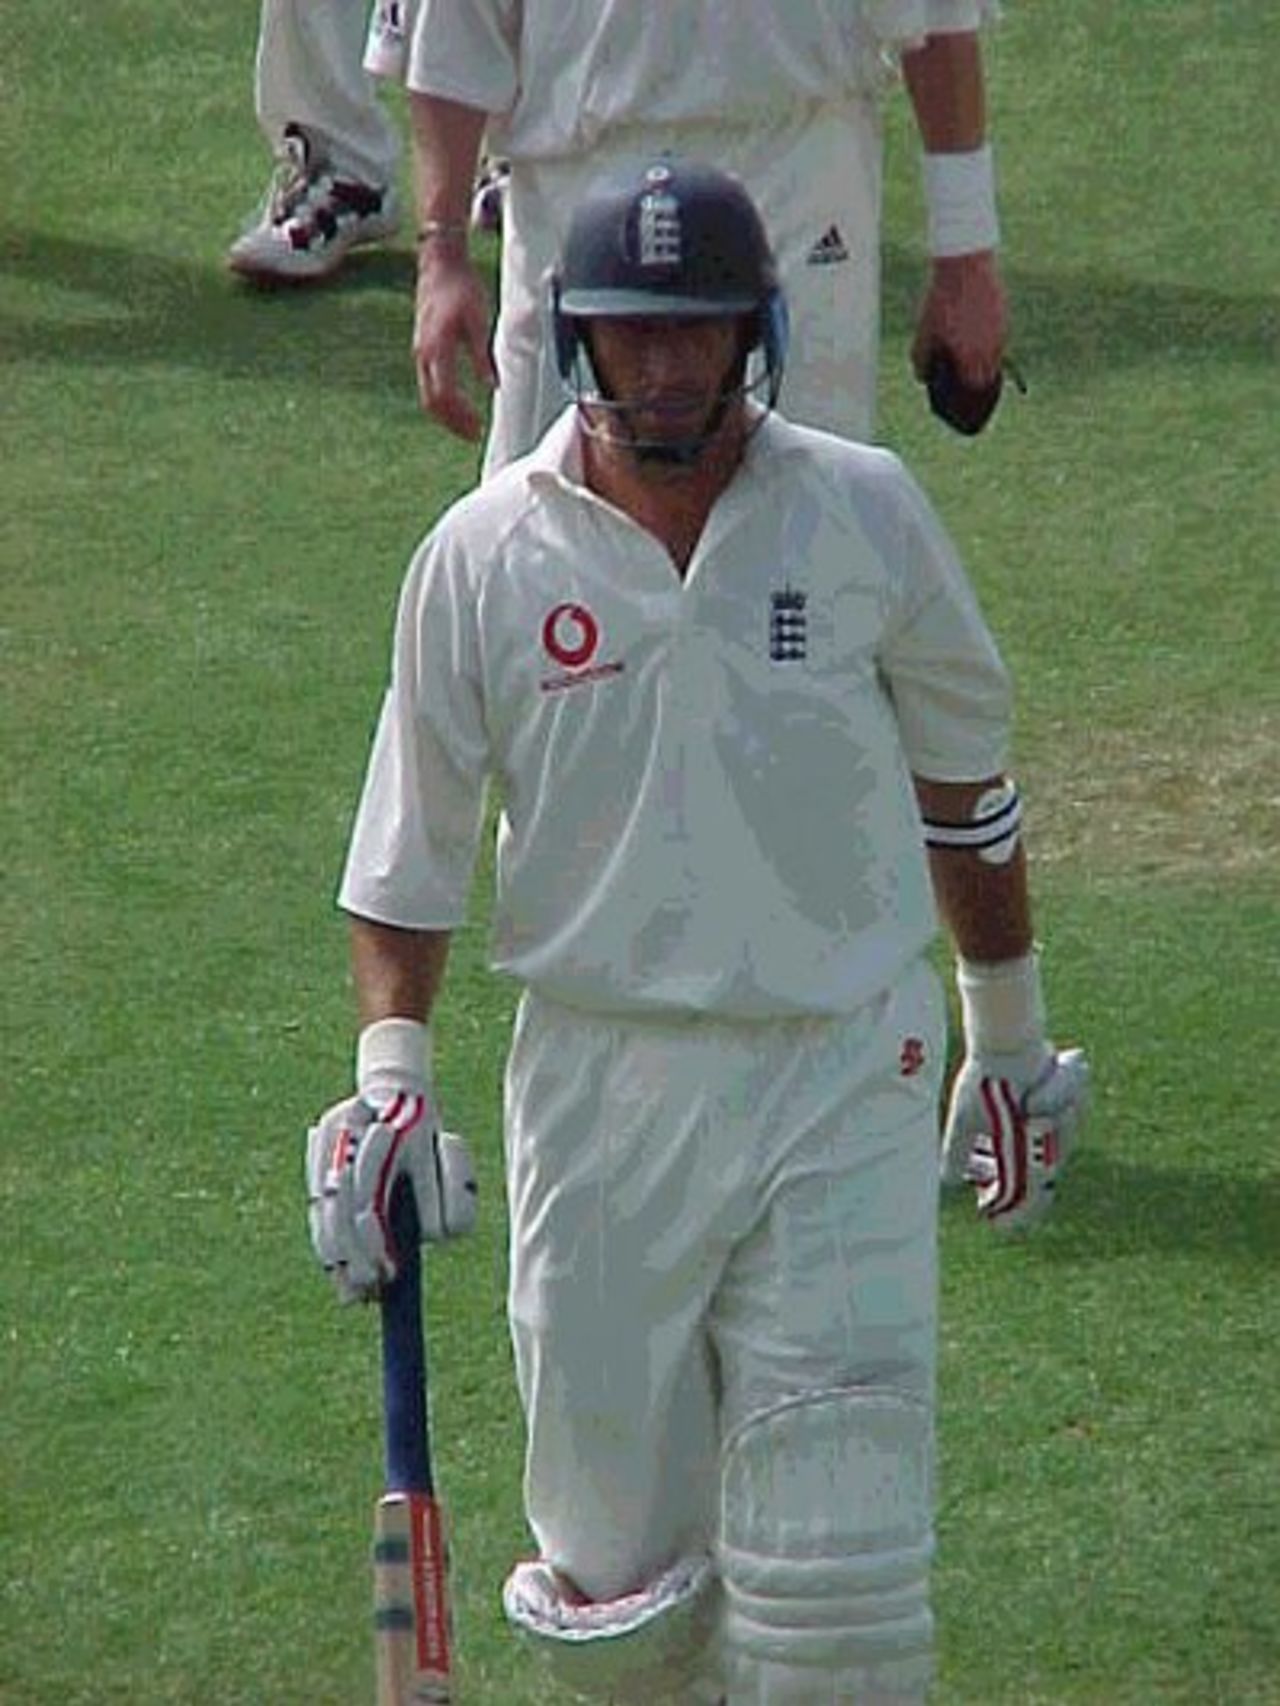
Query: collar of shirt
x=554, y=472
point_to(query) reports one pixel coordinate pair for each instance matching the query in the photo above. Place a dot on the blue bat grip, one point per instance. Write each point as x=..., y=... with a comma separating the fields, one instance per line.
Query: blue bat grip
x=404, y=1363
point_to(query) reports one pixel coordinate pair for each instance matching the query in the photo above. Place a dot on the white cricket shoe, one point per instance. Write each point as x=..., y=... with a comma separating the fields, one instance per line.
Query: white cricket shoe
x=311, y=219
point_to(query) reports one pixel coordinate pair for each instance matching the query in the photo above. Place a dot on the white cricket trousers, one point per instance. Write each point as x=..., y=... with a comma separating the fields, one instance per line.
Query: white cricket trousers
x=707, y=1219
x=815, y=177
x=310, y=71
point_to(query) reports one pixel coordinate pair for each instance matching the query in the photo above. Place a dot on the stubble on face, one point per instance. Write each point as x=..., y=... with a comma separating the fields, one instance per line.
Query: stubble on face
x=670, y=384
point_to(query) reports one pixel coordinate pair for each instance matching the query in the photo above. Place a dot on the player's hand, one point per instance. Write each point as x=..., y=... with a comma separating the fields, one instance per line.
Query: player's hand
x=452, y=321
x=1012, y=1123
x=360, y=1148
x=959, y=346
x=964, y=312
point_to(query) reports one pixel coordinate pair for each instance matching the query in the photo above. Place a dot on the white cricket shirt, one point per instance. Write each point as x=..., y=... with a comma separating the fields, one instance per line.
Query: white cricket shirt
x=705, y=789
x=557, y=74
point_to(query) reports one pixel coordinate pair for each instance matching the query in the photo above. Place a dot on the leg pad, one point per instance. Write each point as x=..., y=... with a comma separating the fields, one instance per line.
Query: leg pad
x=826, y=1538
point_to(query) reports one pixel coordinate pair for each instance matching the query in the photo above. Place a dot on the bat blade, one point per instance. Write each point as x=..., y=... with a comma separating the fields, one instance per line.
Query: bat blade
x=410, y=1604
x=410, y=1565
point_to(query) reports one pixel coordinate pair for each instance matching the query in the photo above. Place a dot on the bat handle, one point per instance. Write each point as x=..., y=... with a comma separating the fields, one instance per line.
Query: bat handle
x=404, y=1371
x=411, y=1594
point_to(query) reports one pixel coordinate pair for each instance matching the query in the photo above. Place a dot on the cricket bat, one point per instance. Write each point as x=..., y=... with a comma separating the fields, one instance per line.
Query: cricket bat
x=410, y=1577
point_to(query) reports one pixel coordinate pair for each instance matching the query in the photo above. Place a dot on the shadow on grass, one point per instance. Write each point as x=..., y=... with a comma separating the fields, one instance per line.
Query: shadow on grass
x=175, y=311
x=185, y=311
x=1122, y=1208
x=1069, y=323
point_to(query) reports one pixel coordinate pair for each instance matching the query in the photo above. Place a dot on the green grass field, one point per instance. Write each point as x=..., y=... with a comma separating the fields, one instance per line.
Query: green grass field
x=209, y=497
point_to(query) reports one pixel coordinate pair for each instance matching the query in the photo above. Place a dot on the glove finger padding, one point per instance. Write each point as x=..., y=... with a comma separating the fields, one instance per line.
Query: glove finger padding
x=968, y=1116
x=1016, y=1162
x=354, y=1156
x=406, y=1142
x=444, y=1182
x=1064, y=1090
x=329, y=1149
x=1015, y=1168
x=387, y=1150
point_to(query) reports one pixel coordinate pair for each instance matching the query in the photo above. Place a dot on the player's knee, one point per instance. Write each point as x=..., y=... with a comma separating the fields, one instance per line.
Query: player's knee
x=826, y=1541
x=651, y=1648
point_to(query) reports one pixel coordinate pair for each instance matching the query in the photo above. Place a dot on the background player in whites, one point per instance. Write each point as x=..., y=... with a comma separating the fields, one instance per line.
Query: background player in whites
x=788, y=97
x=723, y=667
x=336, y=148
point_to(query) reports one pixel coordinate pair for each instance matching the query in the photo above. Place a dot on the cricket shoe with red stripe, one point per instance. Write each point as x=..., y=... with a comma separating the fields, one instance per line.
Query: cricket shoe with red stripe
x=311, y=219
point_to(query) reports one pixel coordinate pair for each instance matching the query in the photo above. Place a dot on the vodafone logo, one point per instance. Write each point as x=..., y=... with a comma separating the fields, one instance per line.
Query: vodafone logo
x=570, y=635
x=571, y=639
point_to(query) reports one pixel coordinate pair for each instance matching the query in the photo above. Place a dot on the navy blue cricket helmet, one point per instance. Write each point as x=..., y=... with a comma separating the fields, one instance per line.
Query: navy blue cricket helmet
x=674, y=237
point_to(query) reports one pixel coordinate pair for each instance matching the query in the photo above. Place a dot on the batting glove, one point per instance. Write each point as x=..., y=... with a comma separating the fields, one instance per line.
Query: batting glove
x=1017, y=1104
x=360, y=1148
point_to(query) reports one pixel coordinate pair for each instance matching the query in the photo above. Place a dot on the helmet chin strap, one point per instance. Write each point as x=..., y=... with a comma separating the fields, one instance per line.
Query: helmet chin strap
x=669, y=452
x=617, y=429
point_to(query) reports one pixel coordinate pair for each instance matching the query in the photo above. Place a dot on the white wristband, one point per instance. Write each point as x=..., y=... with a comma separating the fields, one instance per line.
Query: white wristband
x=960, y=202
x=1002, y=1004
x=395, y=1049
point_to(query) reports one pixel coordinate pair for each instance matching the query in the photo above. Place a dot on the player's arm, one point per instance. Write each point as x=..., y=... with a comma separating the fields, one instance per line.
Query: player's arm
x=964, y=307
x=452, y=312
x=1017, y=1102
x=984, y=904
x=398, y=973
x=411, y=857
x=361, y=1147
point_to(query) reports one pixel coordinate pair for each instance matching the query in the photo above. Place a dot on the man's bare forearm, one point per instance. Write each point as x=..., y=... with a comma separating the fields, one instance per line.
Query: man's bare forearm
x=446, y=138
x=944, y=79
x=398, y=973
x=985, y=907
